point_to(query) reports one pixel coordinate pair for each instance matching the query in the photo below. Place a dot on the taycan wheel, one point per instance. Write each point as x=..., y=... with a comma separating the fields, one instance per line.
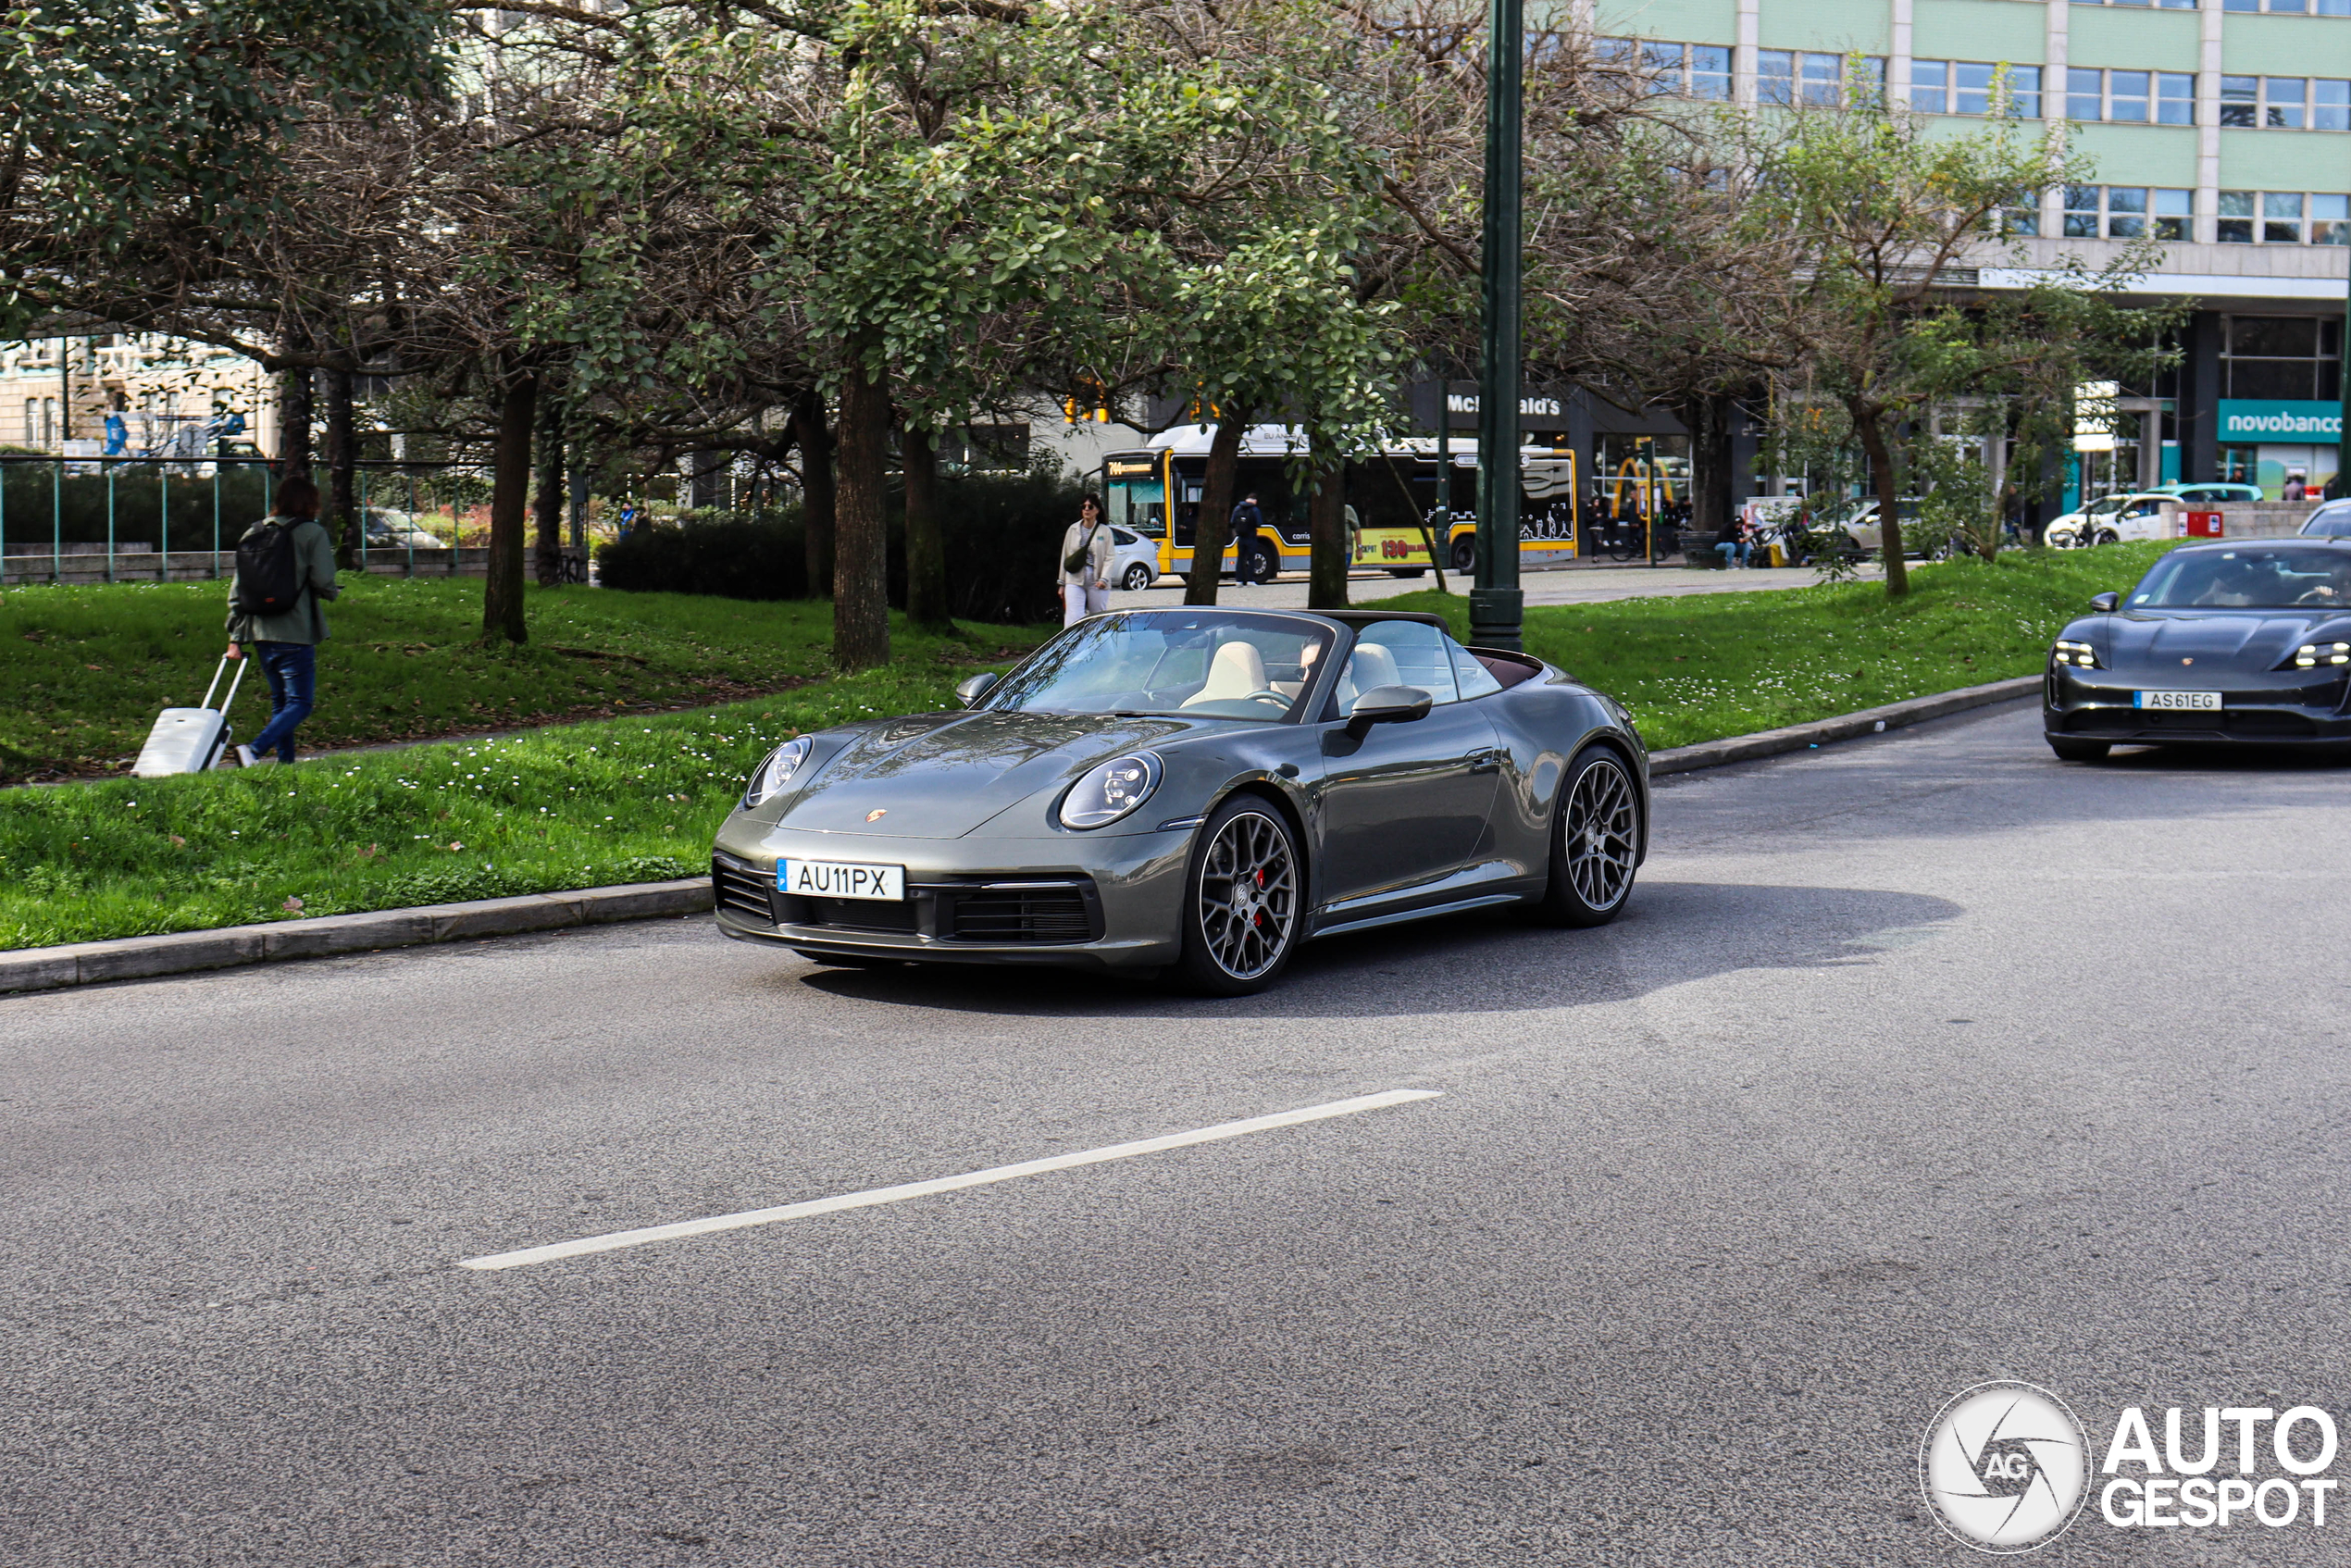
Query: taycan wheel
x=2069, y=749
x=1595, y=840
x=1243, y=898
x=1137, y=578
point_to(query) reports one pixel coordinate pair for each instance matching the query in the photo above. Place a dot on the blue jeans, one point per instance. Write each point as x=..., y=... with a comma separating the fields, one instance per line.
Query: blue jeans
x=1733, y=551
x=293, y=669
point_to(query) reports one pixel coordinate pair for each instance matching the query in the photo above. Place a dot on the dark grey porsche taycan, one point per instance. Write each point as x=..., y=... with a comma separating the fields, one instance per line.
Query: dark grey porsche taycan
x=2234, y=641
x=1197, y=790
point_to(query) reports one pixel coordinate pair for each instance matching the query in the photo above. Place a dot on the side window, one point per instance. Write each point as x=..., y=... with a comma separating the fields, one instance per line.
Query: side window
x=1476, y=679
x=1397, y=654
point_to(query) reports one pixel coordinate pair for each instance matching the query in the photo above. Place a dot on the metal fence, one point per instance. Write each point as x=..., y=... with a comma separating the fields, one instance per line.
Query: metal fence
x=177, y=518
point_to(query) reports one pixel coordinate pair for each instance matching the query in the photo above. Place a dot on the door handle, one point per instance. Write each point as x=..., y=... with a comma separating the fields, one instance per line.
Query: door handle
x=1485, y=759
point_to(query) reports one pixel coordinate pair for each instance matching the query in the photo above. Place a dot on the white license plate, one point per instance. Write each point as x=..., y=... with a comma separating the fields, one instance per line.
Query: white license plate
x=839, y=880
x=2204, y=701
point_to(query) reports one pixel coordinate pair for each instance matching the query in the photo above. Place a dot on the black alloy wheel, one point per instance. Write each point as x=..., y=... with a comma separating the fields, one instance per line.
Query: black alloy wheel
x=1243, y=900
x=1596, y=842
x=2071, y=749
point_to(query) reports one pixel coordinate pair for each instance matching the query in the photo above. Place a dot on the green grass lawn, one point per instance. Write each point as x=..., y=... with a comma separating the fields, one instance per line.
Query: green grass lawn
x=90, y=665
x=1702, y=666
x=634, y=798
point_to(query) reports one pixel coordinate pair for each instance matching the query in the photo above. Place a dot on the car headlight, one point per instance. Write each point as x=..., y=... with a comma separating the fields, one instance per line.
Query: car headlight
x=2310, y=656
x=775, y=771
x=2079, y=655
x=1110, y=791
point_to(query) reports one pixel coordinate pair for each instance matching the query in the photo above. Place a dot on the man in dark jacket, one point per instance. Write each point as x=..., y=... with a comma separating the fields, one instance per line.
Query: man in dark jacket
x=1246, y=520
x=287, y=641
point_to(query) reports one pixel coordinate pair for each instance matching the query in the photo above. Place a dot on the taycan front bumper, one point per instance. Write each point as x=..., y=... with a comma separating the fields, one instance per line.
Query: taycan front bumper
x=1078, y=901
x=2287, y=708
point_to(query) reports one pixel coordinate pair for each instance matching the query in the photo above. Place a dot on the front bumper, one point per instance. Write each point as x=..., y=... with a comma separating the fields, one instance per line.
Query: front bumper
x=1105, y=902
x=2288, y=710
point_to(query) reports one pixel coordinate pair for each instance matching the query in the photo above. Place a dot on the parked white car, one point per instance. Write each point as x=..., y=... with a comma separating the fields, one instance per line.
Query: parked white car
x=1134, y=560
x=2109, y=520
x=387, y=530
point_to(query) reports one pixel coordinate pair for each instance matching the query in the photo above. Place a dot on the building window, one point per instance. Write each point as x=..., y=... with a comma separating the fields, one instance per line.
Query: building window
x=2296, y=358
x=2175, y=97
x=1968, y=87
x=2330, y=220
x=2164, y=5
x=2235, y=227
x=2331, y=104
x=2290, y=7
x=2085, y=94
x=2131, y=98
x=1696, y=70
x=2282, y=98
x=2240, y=100
x=2281, y=218
x=1785, y=76
x=2126, y=213
x=2175, y=215
x=2080, y=212
x=1709, y=72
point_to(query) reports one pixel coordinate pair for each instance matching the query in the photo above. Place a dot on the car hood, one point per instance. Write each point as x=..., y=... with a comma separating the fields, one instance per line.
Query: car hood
x=938, y=776
x=2152, y=642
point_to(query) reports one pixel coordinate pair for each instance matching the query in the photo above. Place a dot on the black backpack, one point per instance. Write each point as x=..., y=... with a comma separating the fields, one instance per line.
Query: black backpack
x=268, y=572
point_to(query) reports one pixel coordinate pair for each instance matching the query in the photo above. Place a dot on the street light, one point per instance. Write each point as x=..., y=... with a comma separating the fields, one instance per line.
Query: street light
x=1496, y=607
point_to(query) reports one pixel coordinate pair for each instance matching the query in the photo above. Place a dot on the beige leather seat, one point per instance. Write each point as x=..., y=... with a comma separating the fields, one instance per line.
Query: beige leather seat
x=1237, y=671
x=1368, y=667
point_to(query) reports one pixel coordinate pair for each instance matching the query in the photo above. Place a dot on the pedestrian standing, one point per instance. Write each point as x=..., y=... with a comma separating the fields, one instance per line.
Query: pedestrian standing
x=1241, y=528
x=1354, y=534
x=1087, y=550
x=285, y=566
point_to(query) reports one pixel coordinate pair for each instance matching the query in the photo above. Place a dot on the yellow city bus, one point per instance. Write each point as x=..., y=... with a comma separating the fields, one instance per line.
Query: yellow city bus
x=1155, y=492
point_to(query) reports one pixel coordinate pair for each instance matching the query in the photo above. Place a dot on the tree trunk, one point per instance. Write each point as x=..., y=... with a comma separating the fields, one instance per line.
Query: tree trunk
x=816, y=444
x=925, y=545
x=1710, y=418
x=861, y=541
x=1326, y=528
x=293, y=424
x=344, y=524
x=548, y=504
x=509, y=498
x=1889, y=519
x=1212, y=530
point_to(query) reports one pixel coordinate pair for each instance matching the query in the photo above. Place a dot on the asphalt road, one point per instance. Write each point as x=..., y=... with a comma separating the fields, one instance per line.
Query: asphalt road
x=1915, y=1063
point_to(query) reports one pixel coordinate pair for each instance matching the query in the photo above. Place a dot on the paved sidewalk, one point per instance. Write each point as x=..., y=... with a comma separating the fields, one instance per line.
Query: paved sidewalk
x=1562, y=585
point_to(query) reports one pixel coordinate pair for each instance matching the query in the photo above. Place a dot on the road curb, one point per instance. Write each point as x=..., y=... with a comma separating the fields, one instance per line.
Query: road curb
x=1845, y=726
x=134, y=958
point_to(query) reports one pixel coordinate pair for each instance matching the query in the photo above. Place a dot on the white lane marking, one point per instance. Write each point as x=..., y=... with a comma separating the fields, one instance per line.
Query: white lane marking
x=621, y=1239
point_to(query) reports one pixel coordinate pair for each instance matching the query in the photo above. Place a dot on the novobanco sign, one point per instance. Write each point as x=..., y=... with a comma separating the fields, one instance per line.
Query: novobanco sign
x=2276, y=419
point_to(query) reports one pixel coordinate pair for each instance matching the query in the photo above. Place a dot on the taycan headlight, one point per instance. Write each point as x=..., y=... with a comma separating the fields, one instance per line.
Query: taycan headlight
x=2312, y=655
x=1110, y=791
x=775, y=771
x=2079, y=655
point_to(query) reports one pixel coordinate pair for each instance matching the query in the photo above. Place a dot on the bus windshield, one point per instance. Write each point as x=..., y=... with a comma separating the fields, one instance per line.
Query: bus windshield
x=1136, y=497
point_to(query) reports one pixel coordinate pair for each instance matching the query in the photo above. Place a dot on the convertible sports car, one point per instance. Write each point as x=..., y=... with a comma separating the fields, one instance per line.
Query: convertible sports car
x=2244, y=640
x=1197, y=790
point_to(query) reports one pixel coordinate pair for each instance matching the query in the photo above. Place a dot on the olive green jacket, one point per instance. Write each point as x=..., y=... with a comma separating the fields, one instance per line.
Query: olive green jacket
x=314, y=554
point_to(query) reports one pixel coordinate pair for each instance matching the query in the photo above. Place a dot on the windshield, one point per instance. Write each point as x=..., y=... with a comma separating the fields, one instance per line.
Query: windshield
x=2101, y=506
x=1210, y=664
x=2282, y=577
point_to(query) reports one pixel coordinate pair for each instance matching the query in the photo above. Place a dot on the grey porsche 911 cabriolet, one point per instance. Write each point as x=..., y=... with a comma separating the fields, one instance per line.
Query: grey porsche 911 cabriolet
x=1196, y=791
x=2226, y=642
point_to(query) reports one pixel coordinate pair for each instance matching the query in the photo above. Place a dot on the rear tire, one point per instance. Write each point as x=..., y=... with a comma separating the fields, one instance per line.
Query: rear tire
x=1464, y=554
x=1137, y=578
x=1596, y=839
x=2070, y=750
x=1244, y=900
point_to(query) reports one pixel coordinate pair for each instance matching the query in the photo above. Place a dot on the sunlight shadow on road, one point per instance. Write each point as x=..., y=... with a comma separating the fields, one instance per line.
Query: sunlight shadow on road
x=1672, y=933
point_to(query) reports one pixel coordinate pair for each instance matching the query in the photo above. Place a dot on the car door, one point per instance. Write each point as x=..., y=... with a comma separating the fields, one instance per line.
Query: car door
x=1403, y=805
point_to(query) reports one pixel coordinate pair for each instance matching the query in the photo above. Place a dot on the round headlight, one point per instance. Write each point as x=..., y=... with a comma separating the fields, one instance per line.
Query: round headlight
x=1110, y=791
x=775, y=771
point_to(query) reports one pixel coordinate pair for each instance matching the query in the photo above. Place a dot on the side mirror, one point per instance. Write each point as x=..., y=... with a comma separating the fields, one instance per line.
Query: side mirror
x=1386, y=704
x=973, y=689
x=2104, y=603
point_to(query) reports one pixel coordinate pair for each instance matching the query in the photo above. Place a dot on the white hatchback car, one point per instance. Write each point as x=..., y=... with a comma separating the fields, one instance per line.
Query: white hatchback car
x=2109, y=520
x=1135, y=563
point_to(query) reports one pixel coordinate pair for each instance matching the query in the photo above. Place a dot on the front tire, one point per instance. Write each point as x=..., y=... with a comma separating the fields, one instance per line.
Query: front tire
x=1596, y=842
x=1464, y=554
x=2070, y=750
x=1244, y=899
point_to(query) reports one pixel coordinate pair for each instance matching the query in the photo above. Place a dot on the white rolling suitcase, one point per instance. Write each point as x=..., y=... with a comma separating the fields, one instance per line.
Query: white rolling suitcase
x=190, y=740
